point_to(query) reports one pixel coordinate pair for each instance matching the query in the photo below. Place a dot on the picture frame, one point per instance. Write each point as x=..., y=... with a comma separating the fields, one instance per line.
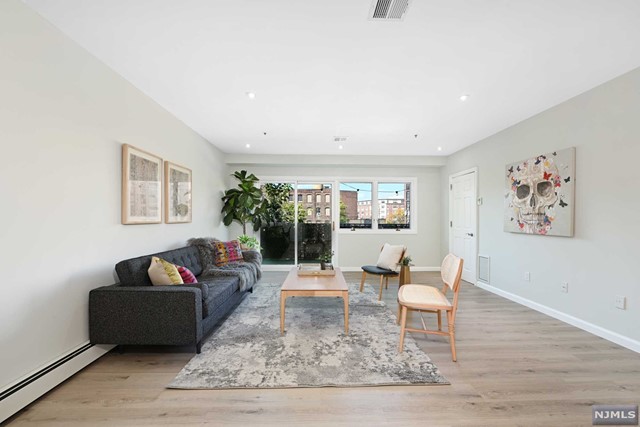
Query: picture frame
x=141, y=186
x=178, y=189
x=540, y=194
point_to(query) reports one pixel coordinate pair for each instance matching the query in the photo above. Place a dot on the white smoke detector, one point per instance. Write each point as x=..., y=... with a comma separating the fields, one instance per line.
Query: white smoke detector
x=388, y=10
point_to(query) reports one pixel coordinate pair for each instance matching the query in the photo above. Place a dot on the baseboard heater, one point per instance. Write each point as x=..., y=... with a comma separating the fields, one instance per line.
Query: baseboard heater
x=28, y=389
x=42, y=372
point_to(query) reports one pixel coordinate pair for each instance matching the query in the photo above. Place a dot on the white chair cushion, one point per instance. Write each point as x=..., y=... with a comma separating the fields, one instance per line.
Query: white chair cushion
x=390, y=256
x=422, y=296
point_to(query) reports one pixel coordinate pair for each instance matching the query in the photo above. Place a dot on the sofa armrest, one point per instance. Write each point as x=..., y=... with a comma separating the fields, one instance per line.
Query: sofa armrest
x=252, y=256
x=204, y=289
x=145, y=315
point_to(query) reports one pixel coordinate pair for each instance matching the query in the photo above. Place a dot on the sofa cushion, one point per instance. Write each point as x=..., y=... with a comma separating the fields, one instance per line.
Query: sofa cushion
x=133, y=272
x=186, y=274
x=226, y=252
x=162, y=272
x=220, y=290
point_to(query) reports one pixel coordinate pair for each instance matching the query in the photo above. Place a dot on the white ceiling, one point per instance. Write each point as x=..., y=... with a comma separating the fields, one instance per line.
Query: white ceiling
x=320, y=68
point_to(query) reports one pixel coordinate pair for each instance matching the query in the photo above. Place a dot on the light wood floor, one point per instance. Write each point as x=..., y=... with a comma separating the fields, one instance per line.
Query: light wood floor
x=515, y=367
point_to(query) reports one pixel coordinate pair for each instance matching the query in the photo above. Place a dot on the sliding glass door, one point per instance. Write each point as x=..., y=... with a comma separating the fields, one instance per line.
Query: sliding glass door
x=315, y=221
x=277, y=238
x=300, y=222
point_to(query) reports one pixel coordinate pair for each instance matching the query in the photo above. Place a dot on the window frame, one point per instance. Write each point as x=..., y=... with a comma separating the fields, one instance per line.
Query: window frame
x=335, y=199
x=413, y=213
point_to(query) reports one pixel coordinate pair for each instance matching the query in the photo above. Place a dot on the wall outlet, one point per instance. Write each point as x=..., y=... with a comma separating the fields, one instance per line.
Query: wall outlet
x=527, y=276
x=564, y=287
x=621, y=302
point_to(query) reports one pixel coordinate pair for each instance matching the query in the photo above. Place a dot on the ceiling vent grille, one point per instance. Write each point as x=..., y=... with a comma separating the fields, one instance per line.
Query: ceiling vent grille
x=388, y=10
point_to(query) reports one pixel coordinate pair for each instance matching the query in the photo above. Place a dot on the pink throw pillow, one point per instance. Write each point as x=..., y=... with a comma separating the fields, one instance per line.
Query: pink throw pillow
x=187, y=275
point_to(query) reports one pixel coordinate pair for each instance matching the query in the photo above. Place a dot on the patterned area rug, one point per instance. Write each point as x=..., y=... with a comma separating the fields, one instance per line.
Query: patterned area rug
x=247, y=351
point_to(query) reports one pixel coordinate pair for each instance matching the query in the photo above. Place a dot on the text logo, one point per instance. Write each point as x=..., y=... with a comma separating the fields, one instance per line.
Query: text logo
x=614, y=415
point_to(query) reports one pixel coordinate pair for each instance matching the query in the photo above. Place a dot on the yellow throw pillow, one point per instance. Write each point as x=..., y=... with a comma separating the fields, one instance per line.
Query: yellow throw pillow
x=162, y=272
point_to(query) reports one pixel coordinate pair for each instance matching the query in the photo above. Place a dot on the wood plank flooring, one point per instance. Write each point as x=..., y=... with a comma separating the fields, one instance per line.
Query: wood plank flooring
x=516, y=367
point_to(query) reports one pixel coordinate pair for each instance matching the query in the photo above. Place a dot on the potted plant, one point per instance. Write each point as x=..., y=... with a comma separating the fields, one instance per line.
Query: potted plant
x=242, y=204
x=405, y=270
x=325, y=260
x=248, y=242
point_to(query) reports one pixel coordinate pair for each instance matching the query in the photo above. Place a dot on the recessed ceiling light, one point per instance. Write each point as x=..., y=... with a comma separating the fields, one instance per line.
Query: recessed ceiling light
x=340, y=147
x=248, y=145
x=251, y=95
x=439, y=148
x=465, y=97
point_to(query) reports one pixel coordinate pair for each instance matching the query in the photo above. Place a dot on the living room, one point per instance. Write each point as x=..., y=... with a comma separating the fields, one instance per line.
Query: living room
x=325, y=95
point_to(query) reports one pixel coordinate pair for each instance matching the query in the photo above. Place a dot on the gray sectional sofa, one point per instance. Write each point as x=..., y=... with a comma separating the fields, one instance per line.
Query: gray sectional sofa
x=134, y=312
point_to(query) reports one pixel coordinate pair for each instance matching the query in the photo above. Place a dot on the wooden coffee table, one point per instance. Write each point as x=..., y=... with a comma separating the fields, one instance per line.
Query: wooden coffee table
x=314, y=286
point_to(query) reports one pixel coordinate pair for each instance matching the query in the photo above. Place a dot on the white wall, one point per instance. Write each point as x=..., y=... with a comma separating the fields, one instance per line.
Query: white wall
x=600, y=261
x=356, y=249
x=63, y=118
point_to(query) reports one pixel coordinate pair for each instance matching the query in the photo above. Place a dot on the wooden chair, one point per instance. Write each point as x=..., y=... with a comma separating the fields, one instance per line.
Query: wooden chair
x=429, y=299
x=382, y=272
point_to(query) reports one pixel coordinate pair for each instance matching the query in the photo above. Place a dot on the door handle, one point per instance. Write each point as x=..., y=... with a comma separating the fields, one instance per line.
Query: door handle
x=470, y=234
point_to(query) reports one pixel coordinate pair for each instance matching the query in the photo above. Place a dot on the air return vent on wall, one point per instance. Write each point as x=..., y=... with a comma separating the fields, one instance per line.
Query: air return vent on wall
x=484, y=264
x=388, y=10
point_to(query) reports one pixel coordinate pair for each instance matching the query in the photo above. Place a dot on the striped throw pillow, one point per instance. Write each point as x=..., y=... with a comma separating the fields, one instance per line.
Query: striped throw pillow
x=187, y=275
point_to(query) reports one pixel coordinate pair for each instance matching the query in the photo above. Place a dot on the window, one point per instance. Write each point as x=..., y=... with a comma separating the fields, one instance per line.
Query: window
x=378, y=205
x=327, y=212
x=354, y=199
x=318, y=198
x=394, y=205
x=317, y=212
x=299, y=197
x=309, y=212
x=327, y=198
x=309, y=198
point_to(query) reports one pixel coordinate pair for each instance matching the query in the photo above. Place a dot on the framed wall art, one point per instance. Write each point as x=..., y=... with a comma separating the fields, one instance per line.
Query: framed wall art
x=141, y=186
x=539, y=194
x=177, y=193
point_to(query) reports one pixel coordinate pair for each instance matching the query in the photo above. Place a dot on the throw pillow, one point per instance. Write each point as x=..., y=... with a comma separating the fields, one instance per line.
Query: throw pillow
x=162, y=272
x=390, y=256
x=227, y=252
x=187, y=275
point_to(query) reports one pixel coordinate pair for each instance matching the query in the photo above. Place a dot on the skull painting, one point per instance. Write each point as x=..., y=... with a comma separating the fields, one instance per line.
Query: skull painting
x=533, y=194
x=539, y=194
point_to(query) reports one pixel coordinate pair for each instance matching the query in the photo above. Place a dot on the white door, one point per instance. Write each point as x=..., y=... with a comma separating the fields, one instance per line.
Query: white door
x=463, y=219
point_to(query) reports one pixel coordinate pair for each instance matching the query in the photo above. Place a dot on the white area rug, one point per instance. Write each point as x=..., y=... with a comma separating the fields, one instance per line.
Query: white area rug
x=247, y=351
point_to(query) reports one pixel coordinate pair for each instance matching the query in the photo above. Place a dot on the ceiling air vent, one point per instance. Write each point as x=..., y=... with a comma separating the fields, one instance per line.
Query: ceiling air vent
x=388, y=10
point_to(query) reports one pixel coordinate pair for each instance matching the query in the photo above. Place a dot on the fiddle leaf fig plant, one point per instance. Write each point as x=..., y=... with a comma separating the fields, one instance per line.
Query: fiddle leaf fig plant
x=243, y=203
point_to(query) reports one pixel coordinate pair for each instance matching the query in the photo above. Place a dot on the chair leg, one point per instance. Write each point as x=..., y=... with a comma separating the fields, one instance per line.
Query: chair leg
x=364, y=276
x=439, y=320
x=403, y=324
x=452, y=334
x=399, y=313
x=386, y=282
x=381, y=286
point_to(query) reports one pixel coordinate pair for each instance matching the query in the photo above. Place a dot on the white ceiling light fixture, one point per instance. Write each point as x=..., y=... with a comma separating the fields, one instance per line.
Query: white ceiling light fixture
x=251, y=95
x=248, y=145
x=340, y=147
x=464, y=97
x=388, y=10
x=439, y=148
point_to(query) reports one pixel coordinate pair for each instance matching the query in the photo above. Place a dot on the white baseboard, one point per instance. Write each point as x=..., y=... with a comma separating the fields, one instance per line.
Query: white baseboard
x=30, y=392
x=345, y=269
x=351, y=269
x=608, y=335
